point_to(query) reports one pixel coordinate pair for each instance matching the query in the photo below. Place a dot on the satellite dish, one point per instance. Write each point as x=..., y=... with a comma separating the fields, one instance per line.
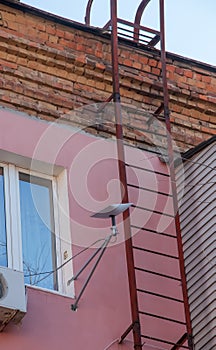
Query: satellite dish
x=112, y=210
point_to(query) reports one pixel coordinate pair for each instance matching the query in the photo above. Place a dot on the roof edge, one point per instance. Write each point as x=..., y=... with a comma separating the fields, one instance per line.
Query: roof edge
x=191, y=152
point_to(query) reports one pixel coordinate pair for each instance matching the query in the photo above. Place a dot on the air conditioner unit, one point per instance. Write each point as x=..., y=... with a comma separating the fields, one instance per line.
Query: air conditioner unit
x=12, y=296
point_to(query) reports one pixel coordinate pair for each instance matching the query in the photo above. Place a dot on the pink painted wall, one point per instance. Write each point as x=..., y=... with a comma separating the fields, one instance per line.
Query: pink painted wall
x=104, y=310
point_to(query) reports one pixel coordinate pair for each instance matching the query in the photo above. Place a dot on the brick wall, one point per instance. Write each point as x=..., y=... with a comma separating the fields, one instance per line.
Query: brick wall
x=50, y=67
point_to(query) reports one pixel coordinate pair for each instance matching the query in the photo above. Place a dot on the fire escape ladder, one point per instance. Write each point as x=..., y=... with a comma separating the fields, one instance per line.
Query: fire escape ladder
x=160, y=316
x=156, y=261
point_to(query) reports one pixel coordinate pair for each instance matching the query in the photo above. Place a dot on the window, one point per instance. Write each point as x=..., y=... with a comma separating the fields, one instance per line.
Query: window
x=33, y=213
x=3, y=242
x=38, y=233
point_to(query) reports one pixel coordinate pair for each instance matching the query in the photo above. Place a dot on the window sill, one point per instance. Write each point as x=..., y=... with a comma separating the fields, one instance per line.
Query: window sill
x=55, y=292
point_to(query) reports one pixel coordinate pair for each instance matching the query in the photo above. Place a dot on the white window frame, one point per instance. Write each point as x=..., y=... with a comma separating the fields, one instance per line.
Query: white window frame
x=61, y=223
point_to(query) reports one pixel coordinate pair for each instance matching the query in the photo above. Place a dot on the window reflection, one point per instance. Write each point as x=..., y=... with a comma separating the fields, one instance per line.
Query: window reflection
x=3, y=241
x=37, y=226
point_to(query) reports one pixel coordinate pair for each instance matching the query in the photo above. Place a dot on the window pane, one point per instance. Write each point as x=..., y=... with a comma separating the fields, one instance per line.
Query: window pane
x=3, y=241
x=38, y=237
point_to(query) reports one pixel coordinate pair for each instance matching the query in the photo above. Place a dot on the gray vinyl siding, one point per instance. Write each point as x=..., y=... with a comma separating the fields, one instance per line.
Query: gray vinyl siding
x=198, y=224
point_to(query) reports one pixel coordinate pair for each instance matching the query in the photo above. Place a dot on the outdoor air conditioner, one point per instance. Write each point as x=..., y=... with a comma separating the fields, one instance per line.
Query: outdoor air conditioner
x=12, y=296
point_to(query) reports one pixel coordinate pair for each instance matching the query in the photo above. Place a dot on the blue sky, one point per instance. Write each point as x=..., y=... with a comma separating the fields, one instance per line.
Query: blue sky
x=190, y=24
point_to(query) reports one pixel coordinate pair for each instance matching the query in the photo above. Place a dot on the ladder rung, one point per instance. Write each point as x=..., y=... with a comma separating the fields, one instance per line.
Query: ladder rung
x=159, y=295
x=157, y=253
x=153, y=211
x=153, y=231
x=146, y=169
x=158, y=274
x=149, y=190
x=164, y=341
x=121, y=34
x=132, y=32
x=161, y=317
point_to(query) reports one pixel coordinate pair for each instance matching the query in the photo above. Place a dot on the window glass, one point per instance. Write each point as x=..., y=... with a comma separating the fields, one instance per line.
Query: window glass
x=37, y=226
x=3, y=241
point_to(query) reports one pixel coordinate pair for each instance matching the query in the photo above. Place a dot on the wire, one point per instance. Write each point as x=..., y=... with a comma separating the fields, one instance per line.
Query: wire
x=189, y=185
x=182, y=158
x=141, y=160
x=207, y=202
x=177, y=182
x=155, y=156
x=201, y=184
x=48, y=273
x=143, y=345
x=113, y=342
x=199, y=163
x=153, y=346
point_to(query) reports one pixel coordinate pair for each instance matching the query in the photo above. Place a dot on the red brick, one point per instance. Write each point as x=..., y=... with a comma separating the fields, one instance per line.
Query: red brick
x=100, y=66
x=51, y=29
x=60, y=33
x=68, y=35
x=100, y=85
x=8, y=64
x=156, y=71
x=134, y=57
x=197, y=76
x=41, y=27
x=179, y=71
x=212, y=99
x=128, y=62
x=212, y=119
x=143, y=59
x=22, y=61
x=82, y=80
x=43, y=36
x=186, y=91
x=80, y=47
x=188, y=73
x=170, y=68
x=136, y=65
x=206, y=79
x=98, y=54
x=80, y=61
x=206, y=129
x=152, y=63
x=53, y=39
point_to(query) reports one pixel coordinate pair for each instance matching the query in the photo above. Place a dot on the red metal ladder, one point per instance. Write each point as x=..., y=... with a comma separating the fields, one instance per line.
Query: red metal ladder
x=150, y=38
